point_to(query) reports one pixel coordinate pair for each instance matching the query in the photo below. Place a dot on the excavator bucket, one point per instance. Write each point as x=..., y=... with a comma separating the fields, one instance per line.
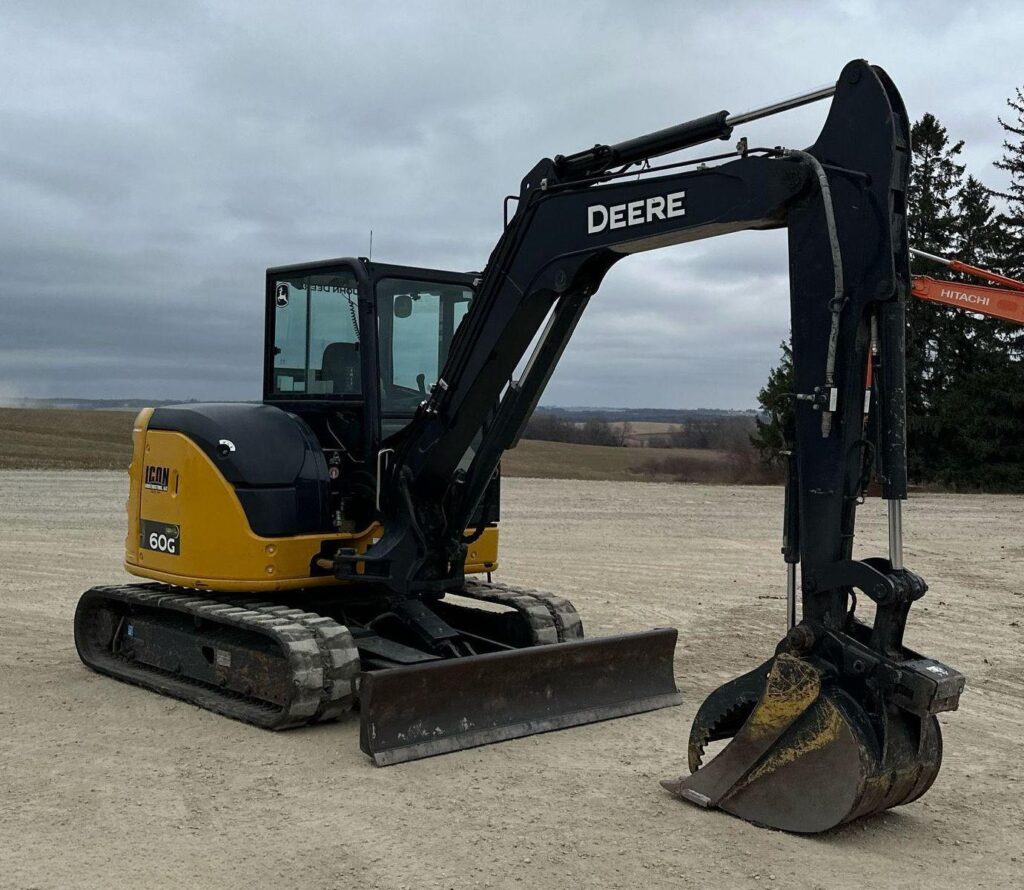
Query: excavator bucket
x=442, y=706
x=804, y=755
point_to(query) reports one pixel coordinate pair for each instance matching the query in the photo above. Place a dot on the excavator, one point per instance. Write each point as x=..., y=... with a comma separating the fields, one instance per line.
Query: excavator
x=332, y=546
x=1005, y=302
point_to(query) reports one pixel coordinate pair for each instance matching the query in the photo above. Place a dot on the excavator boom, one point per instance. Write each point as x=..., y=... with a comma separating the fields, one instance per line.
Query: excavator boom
x=995, y=302
x=1005, y=302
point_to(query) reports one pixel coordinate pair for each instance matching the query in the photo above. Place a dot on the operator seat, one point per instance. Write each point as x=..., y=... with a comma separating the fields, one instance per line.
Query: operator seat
x=341, y=366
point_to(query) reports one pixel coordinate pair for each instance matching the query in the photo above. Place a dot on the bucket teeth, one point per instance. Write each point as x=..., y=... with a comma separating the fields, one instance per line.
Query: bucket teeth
x=724, y=711
x=719, y=727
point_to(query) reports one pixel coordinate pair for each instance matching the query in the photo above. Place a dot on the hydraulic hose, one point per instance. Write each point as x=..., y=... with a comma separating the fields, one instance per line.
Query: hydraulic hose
x=838, y=298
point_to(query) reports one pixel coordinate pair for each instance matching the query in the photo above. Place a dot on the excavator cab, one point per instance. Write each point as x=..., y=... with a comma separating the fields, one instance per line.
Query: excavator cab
x=352, y=348
x=316, y=352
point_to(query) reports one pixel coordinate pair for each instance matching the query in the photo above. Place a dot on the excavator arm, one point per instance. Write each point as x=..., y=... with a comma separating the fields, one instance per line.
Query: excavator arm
x=843, y=201
x=1005, y=302
x=843, y=707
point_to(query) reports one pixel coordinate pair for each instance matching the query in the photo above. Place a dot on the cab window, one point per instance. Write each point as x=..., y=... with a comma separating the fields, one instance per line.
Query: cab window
x=316, y=335
x=417, y=321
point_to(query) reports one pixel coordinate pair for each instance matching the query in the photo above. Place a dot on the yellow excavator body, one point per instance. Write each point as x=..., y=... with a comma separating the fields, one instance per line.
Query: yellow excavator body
x=186, y=527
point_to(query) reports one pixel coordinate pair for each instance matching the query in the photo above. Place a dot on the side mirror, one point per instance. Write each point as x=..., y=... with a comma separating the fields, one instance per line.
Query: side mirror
x=281, y=296
x=403, y=306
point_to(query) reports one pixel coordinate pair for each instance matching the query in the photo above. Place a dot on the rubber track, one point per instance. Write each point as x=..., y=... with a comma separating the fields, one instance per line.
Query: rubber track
x=562, y=617
x=338, y=652
x=320, y=653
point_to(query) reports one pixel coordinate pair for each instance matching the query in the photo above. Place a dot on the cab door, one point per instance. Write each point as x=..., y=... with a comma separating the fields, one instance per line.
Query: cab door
x=417, y=318
x=314, y=339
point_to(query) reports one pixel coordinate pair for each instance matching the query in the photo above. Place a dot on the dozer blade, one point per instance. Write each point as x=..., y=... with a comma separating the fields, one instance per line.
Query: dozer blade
x=434, y=708
x=806, y=757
